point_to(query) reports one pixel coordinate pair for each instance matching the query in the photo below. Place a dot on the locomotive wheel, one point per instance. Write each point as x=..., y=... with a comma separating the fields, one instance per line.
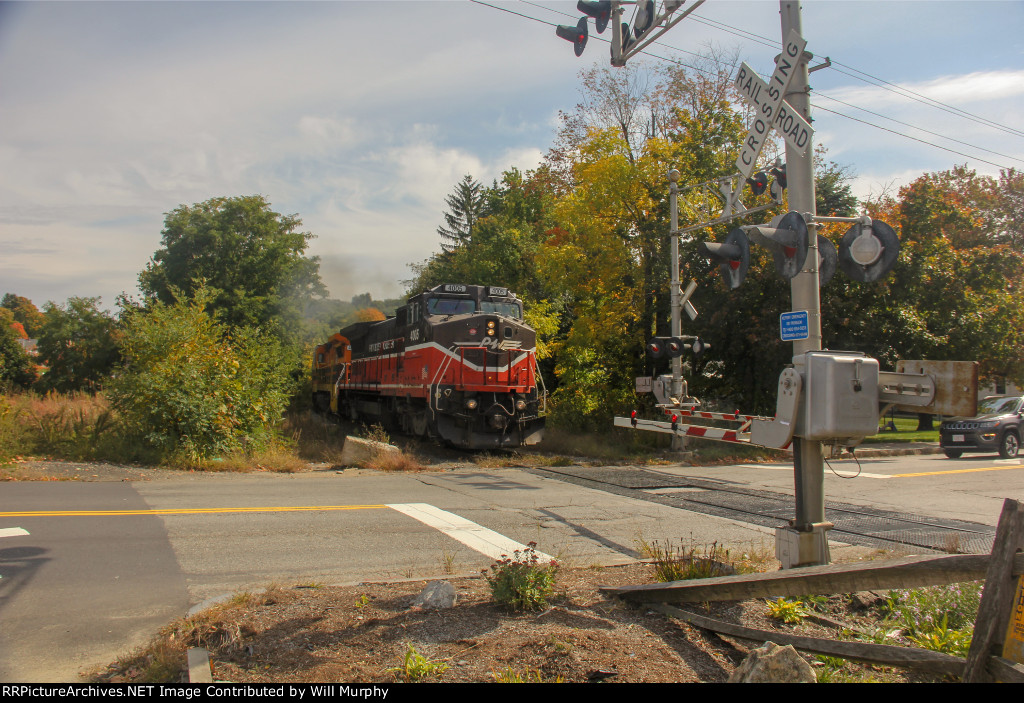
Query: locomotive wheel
x=420, y=423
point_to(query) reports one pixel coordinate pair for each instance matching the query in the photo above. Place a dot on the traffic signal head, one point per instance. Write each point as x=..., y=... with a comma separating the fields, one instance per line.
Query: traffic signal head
x=733, y=254
x=758, y=183
x=577, y=35
x=600, y=10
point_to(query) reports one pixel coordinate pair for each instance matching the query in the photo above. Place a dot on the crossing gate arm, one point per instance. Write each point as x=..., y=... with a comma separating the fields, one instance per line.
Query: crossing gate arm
x=718, y=434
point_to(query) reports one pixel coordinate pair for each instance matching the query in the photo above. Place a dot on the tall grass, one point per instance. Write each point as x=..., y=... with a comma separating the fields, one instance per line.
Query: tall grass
x=76, y=426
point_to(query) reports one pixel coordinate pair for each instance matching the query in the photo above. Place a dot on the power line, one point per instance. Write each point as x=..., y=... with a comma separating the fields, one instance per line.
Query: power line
x=768, y=42
x=924, y=99
x=922, y=141
x=907, y=124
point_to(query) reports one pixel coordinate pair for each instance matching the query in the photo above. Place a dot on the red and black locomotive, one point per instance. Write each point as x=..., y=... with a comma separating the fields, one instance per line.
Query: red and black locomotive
x=456, y=363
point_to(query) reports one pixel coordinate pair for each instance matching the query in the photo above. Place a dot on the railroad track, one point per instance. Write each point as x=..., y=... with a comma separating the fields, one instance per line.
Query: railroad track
x=854, y=524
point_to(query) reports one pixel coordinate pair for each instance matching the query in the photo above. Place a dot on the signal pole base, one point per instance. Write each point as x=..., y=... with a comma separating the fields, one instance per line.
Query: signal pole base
x=795, y=548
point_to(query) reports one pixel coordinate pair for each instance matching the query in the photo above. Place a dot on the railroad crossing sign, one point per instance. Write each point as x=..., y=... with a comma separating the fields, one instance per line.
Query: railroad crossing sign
x=771, y=109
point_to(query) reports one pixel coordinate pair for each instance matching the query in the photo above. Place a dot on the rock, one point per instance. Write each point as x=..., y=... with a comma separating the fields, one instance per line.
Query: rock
x=772, y=663
x=437, y=595
x=358, y=450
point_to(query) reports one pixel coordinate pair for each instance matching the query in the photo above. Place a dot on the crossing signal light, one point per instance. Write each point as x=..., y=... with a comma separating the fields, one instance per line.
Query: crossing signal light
x=758, y=183
x=600, y=10
x=577, y=35
x=627, y=38
x=699, y=346
x=733, y=255
x=644, y=18
x=868, y=253
x=787, y=242
x=670, y=347
x=779, y=172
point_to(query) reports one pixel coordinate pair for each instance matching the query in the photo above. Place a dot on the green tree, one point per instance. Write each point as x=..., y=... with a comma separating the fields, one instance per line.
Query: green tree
x=192, y=387
x=250, y=258
x=955, y=292
x=78, y=345
x=465, y=208
x=16, y=366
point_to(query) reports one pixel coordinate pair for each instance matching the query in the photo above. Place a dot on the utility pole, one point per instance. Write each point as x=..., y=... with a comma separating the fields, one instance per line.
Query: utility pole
x=678, y=443
x=808, y=461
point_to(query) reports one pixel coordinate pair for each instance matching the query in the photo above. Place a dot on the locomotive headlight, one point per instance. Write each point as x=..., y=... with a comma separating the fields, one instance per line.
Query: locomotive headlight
x=490, y=327
x=520, y=404
x=471, y=404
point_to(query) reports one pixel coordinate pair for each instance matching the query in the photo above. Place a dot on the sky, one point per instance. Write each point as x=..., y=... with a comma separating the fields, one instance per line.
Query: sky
x=361, y=117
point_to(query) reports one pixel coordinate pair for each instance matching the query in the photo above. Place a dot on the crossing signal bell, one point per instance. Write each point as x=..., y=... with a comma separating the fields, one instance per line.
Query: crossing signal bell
x=733, y=255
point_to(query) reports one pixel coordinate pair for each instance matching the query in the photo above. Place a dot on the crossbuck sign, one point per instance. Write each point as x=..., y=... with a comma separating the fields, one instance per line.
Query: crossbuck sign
x=770, y=107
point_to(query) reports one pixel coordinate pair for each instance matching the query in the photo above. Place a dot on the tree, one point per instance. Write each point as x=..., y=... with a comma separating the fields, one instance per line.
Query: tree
x=24, y=312
x=193, y=388
x=250, y=258
x=16, y=366
x=78, y=345
x=465, y=208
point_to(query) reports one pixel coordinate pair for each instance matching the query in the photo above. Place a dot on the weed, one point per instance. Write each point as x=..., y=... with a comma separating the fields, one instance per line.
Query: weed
x=942, y=638
x=447, y=561
x=362, y=601
x=938, y=617
x=510, y=675
x=416, y=667
x=954, y=544
x=681, y=563
x=559, y=645
x=818, y=603
x=791, y=612
x=520, y=582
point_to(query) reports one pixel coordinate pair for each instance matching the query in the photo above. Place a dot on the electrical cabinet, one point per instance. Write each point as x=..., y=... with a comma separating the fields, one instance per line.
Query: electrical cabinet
x=840, y=395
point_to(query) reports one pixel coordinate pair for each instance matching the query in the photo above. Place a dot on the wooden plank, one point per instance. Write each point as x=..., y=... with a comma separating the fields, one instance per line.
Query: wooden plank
x=1005, y=670
x=199, y=670
x=887, y=654
x=910, y=572
x=997, y=598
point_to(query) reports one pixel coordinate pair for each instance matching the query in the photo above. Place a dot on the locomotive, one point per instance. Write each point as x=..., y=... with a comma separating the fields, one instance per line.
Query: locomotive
x=456, y=363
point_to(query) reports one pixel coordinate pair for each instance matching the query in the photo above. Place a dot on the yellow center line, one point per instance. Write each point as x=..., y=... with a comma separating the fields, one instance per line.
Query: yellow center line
x=184, y=511
x=959, y=471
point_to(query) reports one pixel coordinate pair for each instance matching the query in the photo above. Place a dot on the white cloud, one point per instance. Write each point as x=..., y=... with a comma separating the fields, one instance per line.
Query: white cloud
x=962, y=90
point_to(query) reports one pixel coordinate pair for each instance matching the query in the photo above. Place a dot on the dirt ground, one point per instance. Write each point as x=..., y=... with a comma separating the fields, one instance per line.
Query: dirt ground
x=363, y=634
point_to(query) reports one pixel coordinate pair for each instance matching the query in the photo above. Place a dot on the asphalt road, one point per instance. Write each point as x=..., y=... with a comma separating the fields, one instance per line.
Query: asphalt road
x=89, y=571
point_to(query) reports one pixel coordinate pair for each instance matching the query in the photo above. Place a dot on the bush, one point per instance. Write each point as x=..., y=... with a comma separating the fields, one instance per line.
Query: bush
x=520, y=582
x=192, y=389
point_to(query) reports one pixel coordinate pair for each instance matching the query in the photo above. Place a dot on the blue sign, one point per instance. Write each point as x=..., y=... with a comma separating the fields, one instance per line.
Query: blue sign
x=794, y=326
